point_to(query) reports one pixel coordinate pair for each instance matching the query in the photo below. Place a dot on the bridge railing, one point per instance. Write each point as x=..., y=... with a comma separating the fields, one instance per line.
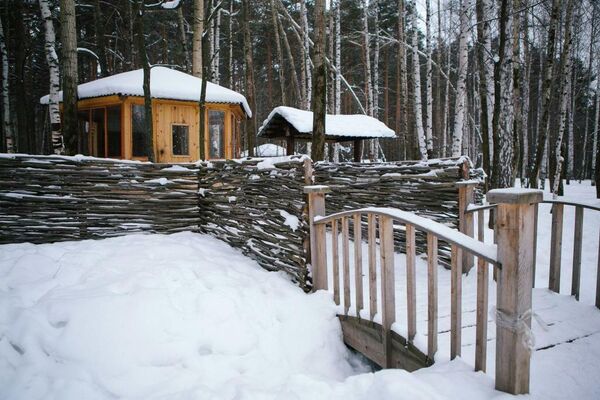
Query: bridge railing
x=556, y=236
x=512, y=256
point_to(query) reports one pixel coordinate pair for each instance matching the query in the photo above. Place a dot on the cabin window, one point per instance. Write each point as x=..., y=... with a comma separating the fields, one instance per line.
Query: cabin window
x=180, y=135
x=97, y=132
x=113, y=131
x=138, y=131
x=216, y=134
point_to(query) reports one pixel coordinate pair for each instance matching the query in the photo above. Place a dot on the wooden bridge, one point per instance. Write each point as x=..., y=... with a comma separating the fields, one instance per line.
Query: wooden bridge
x=367, y=299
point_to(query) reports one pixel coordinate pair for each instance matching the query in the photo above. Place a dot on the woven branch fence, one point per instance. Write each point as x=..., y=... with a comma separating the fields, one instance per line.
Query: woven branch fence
x=256, y=206
x=426, y=188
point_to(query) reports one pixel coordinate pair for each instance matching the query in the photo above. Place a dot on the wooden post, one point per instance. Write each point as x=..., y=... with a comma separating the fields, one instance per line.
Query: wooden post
x=432, y=295
x=577, y=245
x=357, y=151
x=465, y=220
x=318, y=254
x=388, y=290
x=556, y=247
x=515, y=217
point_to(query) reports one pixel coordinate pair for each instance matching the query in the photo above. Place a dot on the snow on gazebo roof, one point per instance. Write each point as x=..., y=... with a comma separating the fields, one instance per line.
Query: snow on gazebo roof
x=165, y=83
x=355, y=126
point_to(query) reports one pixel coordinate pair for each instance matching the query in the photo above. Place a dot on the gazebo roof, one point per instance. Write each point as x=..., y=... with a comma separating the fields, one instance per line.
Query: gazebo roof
x=337, y=127
x=165, y=83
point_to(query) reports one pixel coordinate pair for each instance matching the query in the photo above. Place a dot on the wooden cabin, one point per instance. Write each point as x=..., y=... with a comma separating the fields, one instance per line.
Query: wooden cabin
x=112, y=117
x=292, y=125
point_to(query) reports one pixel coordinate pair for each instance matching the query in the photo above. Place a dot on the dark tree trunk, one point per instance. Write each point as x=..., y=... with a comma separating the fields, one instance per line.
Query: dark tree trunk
x=143, y=61
x=319, y=101
x=100, y=41
x=68, y=35
x=250, y=124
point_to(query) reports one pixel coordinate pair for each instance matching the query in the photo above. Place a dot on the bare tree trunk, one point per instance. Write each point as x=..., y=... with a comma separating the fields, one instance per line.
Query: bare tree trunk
x=306, y=41
x=6, y=122
x=230, y=40
x=100, y=42
x=280, y=60
x=418, y=102
x=183, y=39
x=375, y=142
x=461, y=93
x=319, y=102
x=516, y=107
x=564, y=97
x=525, y=90
x=250, y=124
x=401, y=84
x=69, y=60
x=542, y=134
x=596, y=127
x=216, y=56
x=483, y=37
x=502, y=173
x=338, y=67
x=428, y=82
x=197, y=38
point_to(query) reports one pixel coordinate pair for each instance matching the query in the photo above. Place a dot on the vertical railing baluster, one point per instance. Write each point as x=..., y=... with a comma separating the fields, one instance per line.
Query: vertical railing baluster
x=432, y=295
x=556, y=247
x=482, y=302
x=411, y=282
x=372, y=233
x=455, y=301
x=346, y=264
x=335, y=261
x=388, y=293
x=577, y=238
x=358, y=275
x=598, y=276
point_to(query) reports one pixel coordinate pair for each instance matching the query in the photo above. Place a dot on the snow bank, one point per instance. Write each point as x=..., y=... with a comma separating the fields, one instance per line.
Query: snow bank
x=267, y=150
x=360, y=126
x=182, y=317
x=165, y=83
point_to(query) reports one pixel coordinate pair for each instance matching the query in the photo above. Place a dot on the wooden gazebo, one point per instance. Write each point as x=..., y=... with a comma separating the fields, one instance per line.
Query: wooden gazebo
x=112, y=117
x=292, y=124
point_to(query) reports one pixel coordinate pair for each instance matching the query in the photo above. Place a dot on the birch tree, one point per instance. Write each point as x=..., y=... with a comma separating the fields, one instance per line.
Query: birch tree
x=428, y=81
x=483, y=38
x=564, y=97
x=280, y=60
x=461, y=85
x=6, y=123
x=401, y=82
x=338, y=81
x=306, y=45
x=319, y=102
x=418, y=103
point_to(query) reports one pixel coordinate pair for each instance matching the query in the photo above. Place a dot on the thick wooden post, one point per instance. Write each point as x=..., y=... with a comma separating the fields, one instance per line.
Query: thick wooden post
x=556, y=247
x=515, y=217
x=465, y=220
x=318, y=253
x=357, y=150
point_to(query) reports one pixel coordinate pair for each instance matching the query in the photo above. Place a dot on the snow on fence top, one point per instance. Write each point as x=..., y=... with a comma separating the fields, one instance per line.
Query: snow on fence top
x=350, y=126
x=165, y=83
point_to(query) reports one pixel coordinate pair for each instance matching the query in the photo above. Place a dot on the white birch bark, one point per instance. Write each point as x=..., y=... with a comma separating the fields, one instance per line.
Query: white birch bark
x=375, y=142
x=418, y=101
x=489, y=68
x=428, y=81
x=217, y=48
x=230, y=39
x=338, y=81
x=367, y=57
x=461, y=85
x=8, y=130
x=307, y=66
x=53, y=64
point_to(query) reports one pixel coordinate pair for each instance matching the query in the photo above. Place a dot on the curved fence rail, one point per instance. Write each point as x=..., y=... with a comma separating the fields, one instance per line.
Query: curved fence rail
x=558, y=206
x=371, y=305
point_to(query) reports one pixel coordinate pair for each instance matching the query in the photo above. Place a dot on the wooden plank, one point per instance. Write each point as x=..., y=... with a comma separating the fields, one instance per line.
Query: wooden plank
x=411, y=283
x=388, y=291
x=482, y=315
x=335, y=261
x=465, y=220
x=316, y=207
x=358, y=275
x=455, y=302
x=556, y=247
x=577, y=245
x=432, y=295
x=536, y=212
x=346, y=264
x=372, y=236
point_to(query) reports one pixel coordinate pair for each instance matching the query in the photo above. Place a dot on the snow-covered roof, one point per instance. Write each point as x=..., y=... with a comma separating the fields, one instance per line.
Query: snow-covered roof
x=349, y=126
x=165, y=83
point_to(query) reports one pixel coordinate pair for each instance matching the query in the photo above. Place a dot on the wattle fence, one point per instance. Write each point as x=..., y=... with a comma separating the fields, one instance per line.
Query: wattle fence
x=255, y=205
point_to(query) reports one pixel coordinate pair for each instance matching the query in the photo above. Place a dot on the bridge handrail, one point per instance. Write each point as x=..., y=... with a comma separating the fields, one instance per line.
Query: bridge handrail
x=486, y=251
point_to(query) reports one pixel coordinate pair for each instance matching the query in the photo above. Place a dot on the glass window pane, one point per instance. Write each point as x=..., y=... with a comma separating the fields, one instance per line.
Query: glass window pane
x=138, y=130
x=216, y=134
x=113, y=131
x=180, y=140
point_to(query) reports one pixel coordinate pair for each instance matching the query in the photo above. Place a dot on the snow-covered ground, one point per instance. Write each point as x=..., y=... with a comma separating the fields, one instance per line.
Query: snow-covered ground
x=185, y=316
